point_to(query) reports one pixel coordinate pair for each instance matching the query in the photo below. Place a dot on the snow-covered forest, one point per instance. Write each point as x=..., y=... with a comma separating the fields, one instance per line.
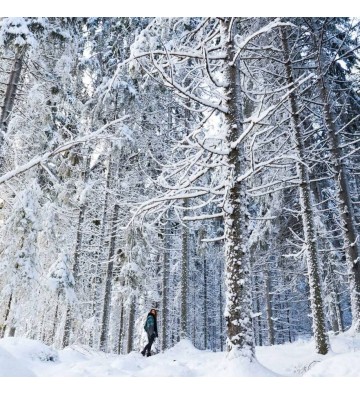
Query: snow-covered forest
x=205, y=167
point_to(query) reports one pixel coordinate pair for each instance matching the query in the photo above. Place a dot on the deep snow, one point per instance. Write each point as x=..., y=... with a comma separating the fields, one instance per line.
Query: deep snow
x=179, y=369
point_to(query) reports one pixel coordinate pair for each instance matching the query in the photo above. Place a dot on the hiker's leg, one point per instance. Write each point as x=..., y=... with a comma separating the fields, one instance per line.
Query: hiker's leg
x=151, y=341
x=146, y=348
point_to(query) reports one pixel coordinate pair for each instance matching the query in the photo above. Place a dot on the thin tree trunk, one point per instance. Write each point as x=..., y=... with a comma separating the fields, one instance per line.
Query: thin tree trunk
x=338, y=325
x=55, y=319
x=165, y=284
x=131, y=323
x=258, y=319
x=121, y=327
x=268, y=306
x=97, y=303
x=7, y=312
x=205, y=307
x=11, y=89
x=221, y=311
x=108, y=285
x=343, y=199
x=67, y=327
x=77, y=252
x=184, y=278
x=321, y=340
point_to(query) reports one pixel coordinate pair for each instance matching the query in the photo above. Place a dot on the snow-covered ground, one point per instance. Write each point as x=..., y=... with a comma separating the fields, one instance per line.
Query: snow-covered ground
x=28, y=358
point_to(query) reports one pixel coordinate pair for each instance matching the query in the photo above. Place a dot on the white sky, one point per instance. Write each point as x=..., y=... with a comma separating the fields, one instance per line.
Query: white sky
x=180, y=8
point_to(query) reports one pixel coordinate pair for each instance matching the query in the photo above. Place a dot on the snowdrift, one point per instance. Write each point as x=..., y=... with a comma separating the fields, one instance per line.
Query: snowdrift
x=21, y=357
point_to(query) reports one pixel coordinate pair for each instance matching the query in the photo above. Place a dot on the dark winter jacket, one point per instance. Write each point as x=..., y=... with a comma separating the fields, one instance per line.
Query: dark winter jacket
x=151, y=325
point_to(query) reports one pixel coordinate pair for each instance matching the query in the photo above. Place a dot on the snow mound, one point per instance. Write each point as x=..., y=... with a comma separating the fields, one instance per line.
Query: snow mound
x=12, y=367
x=24, y=357
x=24, y=349
x=342, y=365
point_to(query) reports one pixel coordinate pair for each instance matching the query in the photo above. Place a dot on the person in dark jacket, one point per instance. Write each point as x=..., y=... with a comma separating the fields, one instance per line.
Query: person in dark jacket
x=151, y=330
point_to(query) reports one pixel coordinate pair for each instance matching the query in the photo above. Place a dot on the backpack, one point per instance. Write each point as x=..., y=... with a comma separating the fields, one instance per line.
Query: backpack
x=150, y=325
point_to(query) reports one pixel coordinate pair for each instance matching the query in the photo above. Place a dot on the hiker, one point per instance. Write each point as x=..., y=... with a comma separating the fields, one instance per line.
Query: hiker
x=151, y=330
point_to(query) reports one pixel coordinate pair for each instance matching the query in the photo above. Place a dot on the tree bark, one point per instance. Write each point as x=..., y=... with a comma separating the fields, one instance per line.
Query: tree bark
x=184, y=333
x=130, y=341
x=205, y=307
x=345, y=206
x=11, y=90
x=269, y=313
x=98, y=291
x=317, y=309
x=77, y=252
x=238, y=282
x=108, y=284
x=7, y=312
x=165, y=284
x=121, y=328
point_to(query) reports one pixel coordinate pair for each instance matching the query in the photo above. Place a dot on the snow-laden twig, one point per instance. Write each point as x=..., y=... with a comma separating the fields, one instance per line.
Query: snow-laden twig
x=62, y=148
x=273, y=24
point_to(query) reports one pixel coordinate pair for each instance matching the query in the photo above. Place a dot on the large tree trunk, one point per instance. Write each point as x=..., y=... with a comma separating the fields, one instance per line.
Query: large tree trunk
x=108, y=284
x=321, y=340
x=238, y=280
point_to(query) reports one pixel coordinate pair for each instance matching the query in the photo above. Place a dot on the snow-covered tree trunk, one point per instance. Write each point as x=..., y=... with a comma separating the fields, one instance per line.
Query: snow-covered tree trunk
x=205, y=306
x=12, y=88
x=316, y=301
x=56, y=318
x=221, y=311
x=238, y=280
x=269, y=313
x=184, y=332
x=131, y=323
x=121, y=327
x=165, y=283
x=98, y=284
x=6, y=317
x=78, y=244
x=343, y=198
x=108, y=284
